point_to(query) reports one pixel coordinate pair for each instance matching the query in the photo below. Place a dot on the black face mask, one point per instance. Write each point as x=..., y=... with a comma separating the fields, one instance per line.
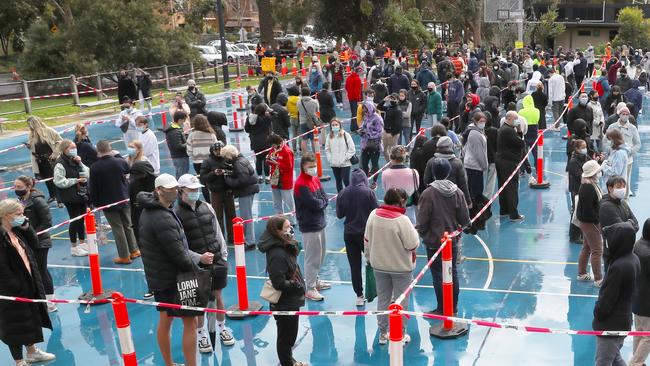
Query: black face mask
x=20, y=192
x=430, y=89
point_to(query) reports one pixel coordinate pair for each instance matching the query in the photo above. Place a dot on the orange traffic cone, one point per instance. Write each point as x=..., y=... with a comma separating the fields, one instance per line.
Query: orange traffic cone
x=284, y=66
x=294, y=69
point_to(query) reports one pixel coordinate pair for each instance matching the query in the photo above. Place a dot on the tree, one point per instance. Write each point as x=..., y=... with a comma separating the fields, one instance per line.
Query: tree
x=356, y=19
x=546, y=28
x=404, y=28
x=15, y=17
x=294, y=13
x=199, y=10
x=464, y=16
x=266, y=21
x=634, y=30
x=103, y=35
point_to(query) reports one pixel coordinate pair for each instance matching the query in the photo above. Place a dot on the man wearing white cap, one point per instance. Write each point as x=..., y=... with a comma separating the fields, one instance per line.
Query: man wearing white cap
x=204, y=235
x=195, y=99
x=631, y=138
x=165, y=254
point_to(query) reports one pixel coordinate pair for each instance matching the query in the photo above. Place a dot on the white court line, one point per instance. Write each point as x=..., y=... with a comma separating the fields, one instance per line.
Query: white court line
x=338, y=282
x=488, y=280
x=554, y=173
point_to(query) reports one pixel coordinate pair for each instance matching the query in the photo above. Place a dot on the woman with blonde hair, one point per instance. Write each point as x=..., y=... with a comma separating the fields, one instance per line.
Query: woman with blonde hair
x=71, y=179
x=20, y=323
x=135, y=152
x=198, y=145
x=85, y=147
x=43, y=142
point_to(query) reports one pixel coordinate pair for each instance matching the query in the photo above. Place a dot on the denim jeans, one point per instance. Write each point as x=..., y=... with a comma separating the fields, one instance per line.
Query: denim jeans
x=246, y=212
x=181, y=166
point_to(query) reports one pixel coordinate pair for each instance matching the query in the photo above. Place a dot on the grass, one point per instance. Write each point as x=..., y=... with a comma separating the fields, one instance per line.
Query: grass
x=7, y=64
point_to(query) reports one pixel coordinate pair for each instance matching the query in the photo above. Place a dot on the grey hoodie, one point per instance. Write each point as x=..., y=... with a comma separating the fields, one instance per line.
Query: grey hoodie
x=445, y=187
x=442, y=208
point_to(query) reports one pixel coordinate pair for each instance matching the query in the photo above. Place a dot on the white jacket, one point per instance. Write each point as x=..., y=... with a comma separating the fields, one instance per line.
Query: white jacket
x=337, y=152
x=556, y=88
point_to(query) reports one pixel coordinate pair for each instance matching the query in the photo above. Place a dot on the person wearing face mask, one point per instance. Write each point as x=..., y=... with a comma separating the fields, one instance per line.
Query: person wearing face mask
x=475, y=155
x=70, y=179
x=149, y=143
x=631, y=138
x=203, y=235
x=580, y=111
x=212, y=175
x=253, y=99
x=126, y=121
x=339, y=149
x=509, y=153
x=281, y=250
x=614, y=209
x=390, y=242
x=578, y=157
x=108, y=184
x=195, y=99
x=177, y=144
x=179, y=105
x=316, y=77
x=392, y=123
x=434, y=104
x=556, y=94
x=281, y=161
x=135, y=153
x=21, y=324
x=242, y=181
x=85, y=147
x=38, y=213
x=405, y=107
x=586, y=218
x=311, y=203
x=418, y=101
x=598, y=121
x=269, y=88
x=355, y=96
x=618, y=157
x=613, y=99
x=165, y=254
x=442, y=208
x=43, y=142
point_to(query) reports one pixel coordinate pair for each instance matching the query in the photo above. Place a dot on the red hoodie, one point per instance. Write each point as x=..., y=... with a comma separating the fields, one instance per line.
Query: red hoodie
x=284, y=158
x=353, y=87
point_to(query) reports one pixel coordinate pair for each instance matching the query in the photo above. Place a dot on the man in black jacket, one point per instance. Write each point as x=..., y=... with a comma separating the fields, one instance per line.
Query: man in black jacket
x=641, y=298
x=614, y=209
x=177, y=144
x=392, y=123
x=269, y=88
x=578, y=158
x=580, y=111
x=281, y=121
x=509, y=154
x=195, y=99
x=165, y=254
x=213, y=170
x=108, y=184
x=613, y=309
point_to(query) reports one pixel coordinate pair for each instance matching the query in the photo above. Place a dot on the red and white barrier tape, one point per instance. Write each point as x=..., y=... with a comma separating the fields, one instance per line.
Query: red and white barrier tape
x=82, y=216
x=12, y=185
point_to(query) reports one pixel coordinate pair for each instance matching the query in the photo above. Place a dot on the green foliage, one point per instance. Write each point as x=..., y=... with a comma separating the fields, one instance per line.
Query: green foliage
x=292, y=13
x=634, y=30
x=351, y=19
x=546, y=27
x=404, y=28
x=15, y=17
x=199, y=10
x=105, y=35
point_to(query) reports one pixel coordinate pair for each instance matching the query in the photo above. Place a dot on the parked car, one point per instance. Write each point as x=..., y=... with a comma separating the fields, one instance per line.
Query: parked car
x=209, y=54
x=232, y=51
x=309, y=43
x=287, y=46
x=248, y=48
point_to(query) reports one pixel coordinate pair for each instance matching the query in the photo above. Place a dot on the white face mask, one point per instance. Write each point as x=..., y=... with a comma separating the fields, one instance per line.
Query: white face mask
x=625, y=117
x=618, y=193
x=312, y=171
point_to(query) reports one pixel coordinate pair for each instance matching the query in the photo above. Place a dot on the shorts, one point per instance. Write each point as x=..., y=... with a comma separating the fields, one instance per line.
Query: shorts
x=304, y=129
x=169, y=296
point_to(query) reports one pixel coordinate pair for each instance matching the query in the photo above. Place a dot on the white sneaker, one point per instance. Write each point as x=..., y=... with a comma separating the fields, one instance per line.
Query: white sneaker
x=361, y=301
x=314, y=295
x=320, y=286
x=584, y=277
x=383, y=338
x=84, y=247
x=51, y=307
x=226, y=337
x=204, y=345
x=78, y=252
x=532, y=180
x=39, y=356
x=406, y=339
x=598, y=283
x=22, y=363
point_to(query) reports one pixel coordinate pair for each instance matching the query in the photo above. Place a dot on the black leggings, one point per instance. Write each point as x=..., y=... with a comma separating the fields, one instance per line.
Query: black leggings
x=287, y=334
x=41, y=260
x=46, y=171
x=204, y=190
x=261, y=165
x=354, y=250
x=76, y=228
x=16, y=351
x=373, y=157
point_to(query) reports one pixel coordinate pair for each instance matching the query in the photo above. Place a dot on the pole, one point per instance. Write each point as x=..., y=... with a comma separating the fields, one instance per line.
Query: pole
x=240, y=266
x=97, y=293
x=99, y=87
x=192, y=70
x=395, y=335
x=520, y=22
x=27, y=101
x=124, y=330
x=319, y=163
x=166, y=74
x=162, y=109
x=222, y=36
x=75, y=90
x=449, y=329
x=540, y=183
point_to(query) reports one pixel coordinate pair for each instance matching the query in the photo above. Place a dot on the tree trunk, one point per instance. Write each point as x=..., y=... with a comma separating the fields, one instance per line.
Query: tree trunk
x=266, y=21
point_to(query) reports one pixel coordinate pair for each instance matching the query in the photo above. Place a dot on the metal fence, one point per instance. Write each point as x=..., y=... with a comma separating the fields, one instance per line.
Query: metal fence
x=26, y=96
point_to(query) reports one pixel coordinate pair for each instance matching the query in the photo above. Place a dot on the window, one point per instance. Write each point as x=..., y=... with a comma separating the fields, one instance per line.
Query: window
x=584, y=33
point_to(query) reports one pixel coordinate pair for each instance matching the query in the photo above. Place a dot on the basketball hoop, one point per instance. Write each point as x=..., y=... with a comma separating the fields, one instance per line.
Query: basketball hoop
x=503, y=14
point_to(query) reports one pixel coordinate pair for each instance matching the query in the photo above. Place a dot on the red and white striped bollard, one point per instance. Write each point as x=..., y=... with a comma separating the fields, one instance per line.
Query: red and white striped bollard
x=240, y=266
x=540, y=182
x=97, y=292
x=395, y=335
x=124, y=330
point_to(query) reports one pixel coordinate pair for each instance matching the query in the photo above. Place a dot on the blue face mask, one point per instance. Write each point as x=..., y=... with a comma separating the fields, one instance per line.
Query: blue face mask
x=18, y=221
x=336, y=129
x=72, y=152
x=193, y=196
x=140, y=128
x=130, y=151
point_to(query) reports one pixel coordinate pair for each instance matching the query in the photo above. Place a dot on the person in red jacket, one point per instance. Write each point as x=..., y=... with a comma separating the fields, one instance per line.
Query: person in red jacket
x=353, y=89
x=280, y=159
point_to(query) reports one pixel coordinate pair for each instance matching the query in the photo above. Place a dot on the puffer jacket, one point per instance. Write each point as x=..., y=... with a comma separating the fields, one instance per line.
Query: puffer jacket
x=37, y=211
x=201, y=229
x=243, y=179
x=259, y=128
x=209, y=178
x=284, y=272
x=162, y=243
